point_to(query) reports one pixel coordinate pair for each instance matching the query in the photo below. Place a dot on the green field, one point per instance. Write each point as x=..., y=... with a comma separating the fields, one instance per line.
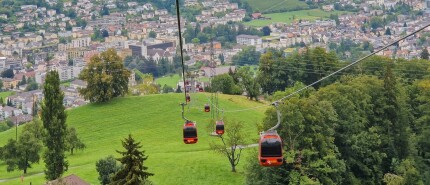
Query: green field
x=5, y=94
x=289, y=17
x=65, y=84
x=276, y=5
x=171, y=81
x=155, y=121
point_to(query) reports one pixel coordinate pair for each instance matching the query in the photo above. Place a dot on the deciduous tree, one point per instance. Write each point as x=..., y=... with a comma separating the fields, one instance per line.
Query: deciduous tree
x=425, y=54
x=106, y=168
x=72, y=140
x=23, y=153
x=248, y=56
x=266, y=30
x=152, y=34
x=223, y=83
x=232, y=144
x=249, y=83
x=106, y=77
x=8, y=73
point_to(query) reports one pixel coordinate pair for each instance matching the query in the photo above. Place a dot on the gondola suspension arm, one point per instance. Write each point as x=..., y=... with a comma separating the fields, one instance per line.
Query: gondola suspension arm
x=183, y=114
x=278, y=113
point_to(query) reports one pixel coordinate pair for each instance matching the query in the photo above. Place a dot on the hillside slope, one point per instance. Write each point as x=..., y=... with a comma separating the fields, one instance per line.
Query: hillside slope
x=156, y=122
x=277, y=5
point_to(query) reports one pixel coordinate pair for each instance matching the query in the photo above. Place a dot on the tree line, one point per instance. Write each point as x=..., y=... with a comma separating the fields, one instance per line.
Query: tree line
x=225, y=34
x=367, y=125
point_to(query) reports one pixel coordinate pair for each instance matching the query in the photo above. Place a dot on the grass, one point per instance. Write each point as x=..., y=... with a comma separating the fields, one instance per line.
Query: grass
x=204, y=79
x=276, y=5
x=65, y=84
x=138, y=73
x=155, y=121
x=4, y=95
x=171, y=81
x=289, y=17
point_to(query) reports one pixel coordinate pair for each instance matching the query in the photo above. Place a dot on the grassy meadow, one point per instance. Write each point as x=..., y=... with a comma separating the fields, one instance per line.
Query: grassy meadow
x=274, y=5
x=155, y=121
x=289, y=17
x=171, y=81
x=5, y=94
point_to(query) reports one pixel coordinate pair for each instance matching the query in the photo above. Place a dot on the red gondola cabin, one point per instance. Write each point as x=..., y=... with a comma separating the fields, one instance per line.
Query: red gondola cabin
x=207, y=108
x=190, y=132
x=219, y=127
x=270, y=150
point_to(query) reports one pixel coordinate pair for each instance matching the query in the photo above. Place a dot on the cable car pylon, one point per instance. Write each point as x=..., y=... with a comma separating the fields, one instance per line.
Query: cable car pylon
x=270, y=145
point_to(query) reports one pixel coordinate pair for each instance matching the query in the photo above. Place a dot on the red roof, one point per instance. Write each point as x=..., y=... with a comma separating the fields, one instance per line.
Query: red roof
x=69, y=180
x=256, y=15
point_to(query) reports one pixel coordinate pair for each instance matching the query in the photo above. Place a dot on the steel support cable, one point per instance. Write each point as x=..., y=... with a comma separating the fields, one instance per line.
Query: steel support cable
x=311, y=71
x=238, y=110
x=318, y=67
x=337, y=71
x=178, y=16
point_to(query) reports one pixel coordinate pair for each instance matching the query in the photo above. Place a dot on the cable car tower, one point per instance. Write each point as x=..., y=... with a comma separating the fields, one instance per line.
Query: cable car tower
x=214, y=94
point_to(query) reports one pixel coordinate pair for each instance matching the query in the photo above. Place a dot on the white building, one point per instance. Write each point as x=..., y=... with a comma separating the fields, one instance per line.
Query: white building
x=78, y=66
x=427, y=6
x=76, y=43
x=249, y=40
x=2, y=63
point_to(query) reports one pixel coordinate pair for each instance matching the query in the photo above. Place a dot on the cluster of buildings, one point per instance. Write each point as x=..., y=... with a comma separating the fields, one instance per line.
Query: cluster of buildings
x=350, y=26
x=147, y=31
x=23, y=106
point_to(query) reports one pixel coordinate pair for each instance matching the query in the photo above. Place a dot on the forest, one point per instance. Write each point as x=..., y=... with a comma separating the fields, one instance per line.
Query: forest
x=366, y=125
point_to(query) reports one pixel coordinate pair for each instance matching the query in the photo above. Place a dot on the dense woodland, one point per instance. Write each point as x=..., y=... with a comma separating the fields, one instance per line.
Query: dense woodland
x=367, y=125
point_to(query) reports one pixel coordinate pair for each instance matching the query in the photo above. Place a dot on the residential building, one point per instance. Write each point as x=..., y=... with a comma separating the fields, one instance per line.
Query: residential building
x=250, y=40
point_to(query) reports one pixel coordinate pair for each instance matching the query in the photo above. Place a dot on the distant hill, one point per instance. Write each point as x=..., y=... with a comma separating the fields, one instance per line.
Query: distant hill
x=272, y=6
x=155, y=121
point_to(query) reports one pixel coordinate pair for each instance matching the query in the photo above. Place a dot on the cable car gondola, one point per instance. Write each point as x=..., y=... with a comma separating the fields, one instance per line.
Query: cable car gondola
x=270, y=150
x=207, y=108
x=190, y=132
x=270, y=145
x=219, y=127
x=188, y=98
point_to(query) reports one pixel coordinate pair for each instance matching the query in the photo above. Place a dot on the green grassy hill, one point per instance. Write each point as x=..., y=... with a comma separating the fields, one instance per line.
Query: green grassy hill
x=171, y=81
x=4, y=95
x=275, y=5
x=289, y=17
x=156, y=122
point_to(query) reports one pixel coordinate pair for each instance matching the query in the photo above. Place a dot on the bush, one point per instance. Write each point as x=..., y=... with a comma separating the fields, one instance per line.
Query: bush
x=4, y=126
x=236, y=90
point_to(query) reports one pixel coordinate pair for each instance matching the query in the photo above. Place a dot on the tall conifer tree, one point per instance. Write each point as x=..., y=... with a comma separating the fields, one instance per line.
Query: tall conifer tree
x=54, y=121
x=133, y=171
